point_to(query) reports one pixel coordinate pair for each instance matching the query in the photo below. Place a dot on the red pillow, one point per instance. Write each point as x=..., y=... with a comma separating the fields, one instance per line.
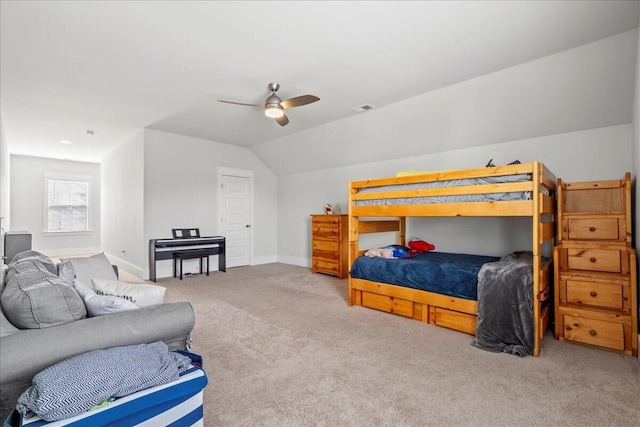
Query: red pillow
x=420, y=245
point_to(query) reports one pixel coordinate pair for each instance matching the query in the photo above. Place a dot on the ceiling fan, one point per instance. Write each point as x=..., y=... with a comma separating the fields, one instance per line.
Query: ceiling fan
x=274, y=106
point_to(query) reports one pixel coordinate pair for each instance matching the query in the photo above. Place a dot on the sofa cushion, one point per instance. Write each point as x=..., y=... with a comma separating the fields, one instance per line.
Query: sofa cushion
x=87, y=268
x=140, y=294
x=98, y=305
x=35, y=298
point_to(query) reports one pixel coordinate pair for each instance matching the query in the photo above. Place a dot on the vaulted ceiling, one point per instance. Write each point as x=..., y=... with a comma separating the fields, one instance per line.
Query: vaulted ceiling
x=117, y=67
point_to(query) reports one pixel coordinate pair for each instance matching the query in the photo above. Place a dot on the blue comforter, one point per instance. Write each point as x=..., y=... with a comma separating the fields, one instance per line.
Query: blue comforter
x=444, y=273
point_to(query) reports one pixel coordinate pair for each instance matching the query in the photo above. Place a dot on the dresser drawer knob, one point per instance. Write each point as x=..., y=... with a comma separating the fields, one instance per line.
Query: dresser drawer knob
x=592, y=229
x=568, y=328
x=593, y=333
x=593, y=294
x=592, y=259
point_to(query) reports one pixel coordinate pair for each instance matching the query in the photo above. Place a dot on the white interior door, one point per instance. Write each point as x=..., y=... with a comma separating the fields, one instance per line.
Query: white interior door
x=235, y=218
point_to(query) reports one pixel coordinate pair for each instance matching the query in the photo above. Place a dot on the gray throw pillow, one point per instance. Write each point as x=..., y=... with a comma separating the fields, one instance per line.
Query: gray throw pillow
x=96, y=266
x=66, y=272
x=36, y=256
x=35, y=298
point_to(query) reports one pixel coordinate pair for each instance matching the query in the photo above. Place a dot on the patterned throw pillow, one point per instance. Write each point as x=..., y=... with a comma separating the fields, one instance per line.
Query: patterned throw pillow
x=99, y=305
x=139, y=294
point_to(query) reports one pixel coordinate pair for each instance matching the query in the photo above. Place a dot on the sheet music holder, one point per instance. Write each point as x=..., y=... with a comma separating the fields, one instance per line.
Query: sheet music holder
x=185, y=233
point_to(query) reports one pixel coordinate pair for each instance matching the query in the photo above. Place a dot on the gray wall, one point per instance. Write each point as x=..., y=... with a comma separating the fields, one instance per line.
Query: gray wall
x=636, y=161
x=180, y=190
x=636, y=146
x=28, y=209
x=4, y=188
x=158, y=181
x=123, y=205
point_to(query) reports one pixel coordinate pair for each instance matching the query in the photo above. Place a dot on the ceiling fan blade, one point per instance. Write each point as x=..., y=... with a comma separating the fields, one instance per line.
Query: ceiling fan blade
x=299, y=101
x=241, y=103
x=282, y=121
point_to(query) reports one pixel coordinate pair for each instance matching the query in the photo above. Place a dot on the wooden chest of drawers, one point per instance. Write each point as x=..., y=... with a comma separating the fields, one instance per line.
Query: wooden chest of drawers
x=329, y=241
x=595, y=274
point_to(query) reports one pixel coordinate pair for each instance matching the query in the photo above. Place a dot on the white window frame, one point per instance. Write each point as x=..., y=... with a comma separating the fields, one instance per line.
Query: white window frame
x=85, y=179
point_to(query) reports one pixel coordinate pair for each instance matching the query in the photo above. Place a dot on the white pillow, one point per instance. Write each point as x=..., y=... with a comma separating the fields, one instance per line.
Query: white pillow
x=86, y=268
x=139, y=294
x=98, y=305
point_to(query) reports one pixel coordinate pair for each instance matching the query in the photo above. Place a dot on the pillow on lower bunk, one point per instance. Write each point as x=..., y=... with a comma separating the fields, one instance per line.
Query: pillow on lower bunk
x=390, y=252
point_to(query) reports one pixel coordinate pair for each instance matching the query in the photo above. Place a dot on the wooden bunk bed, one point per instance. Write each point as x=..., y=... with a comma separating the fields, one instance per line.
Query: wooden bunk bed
x=390, y=201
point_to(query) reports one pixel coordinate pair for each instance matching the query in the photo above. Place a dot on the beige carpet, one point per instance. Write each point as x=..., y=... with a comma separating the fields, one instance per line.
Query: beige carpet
x=282, y=348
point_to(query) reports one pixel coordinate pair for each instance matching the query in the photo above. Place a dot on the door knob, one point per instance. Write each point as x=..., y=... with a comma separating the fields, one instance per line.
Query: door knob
x=248, y=226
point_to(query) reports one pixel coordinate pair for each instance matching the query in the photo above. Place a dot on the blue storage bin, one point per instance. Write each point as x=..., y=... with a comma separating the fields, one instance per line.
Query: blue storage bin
x=178, y=403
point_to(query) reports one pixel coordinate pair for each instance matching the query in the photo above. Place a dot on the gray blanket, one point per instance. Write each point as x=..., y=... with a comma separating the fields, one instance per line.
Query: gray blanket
x=505, y=307
x=72, y=386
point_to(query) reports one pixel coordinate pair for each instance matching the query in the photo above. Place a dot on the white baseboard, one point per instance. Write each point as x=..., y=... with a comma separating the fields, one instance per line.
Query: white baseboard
x=131, y=268
x=264, y=260
x=164, y=268
x=299, y=261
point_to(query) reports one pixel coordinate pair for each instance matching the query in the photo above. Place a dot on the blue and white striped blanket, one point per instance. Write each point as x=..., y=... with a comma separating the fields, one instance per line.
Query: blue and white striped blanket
x=74, y=385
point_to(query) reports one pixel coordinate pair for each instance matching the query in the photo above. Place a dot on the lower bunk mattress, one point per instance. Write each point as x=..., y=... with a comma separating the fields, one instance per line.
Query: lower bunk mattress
x=444, y=273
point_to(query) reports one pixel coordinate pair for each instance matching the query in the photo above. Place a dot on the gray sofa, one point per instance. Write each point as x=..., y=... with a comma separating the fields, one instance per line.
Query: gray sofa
x=25, y=352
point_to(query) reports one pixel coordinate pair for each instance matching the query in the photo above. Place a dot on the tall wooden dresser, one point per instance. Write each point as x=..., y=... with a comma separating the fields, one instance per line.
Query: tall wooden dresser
x=595, y=266
x=329, y=251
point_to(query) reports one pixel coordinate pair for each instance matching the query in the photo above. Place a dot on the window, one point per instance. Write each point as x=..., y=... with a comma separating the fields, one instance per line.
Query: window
x=67, y=203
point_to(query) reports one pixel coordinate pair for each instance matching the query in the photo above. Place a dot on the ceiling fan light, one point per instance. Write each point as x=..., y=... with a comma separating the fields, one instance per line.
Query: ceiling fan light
x=274, y=111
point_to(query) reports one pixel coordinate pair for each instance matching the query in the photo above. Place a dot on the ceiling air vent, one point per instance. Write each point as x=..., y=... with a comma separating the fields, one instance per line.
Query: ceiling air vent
x=363, y=108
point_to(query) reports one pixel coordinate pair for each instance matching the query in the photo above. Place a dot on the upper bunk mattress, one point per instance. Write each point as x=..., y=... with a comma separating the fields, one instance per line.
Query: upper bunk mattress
x=523, y=195
x=444, y=273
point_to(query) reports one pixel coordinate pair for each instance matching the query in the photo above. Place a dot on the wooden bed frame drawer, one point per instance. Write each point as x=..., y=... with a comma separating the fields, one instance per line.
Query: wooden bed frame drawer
x=594, y=332
x=454, y=320
x=597, y=294
x=388, y=304
x=608, y=260
x=593, y=229
x=325, y=245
